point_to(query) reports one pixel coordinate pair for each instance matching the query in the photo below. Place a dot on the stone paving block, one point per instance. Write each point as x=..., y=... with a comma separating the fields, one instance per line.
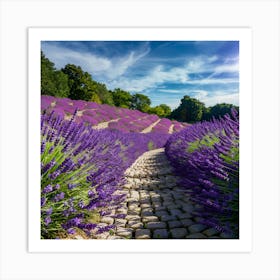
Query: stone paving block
x=121, y=211
x=185, y=215
x=187, y=222
x=107, y=220
x=175, y=212
x=196, y=228
x=145, y=205
x=115, y=237
x=133, y=205
x=125, y=232
x=160, y=208
x=167, y=218
x=134, y=212
x=103, y=235
x=133, y=217
x=142, y=234
x=173, y=206
x=120, y=222
x=178, y=233
x=225, y=235
x=155, y=225
x=150, y=219
x=175, y=224
x=134, y=224
x=147, y=212
x=197, y=235
x=188, y=208
x=210, y=232
x=160, y=233
x=198, y=219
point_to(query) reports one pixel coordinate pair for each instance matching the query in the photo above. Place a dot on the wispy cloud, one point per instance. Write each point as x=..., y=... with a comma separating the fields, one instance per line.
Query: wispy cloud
x=109, y=68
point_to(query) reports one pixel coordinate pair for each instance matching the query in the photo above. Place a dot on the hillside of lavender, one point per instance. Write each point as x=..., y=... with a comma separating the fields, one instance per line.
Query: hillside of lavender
x=87, y=148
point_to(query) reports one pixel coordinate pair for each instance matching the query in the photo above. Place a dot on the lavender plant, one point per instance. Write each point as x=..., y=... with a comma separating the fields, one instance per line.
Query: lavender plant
x=206, y=156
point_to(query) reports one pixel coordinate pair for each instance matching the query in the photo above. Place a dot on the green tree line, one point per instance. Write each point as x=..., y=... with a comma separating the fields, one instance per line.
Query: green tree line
x=74, y=83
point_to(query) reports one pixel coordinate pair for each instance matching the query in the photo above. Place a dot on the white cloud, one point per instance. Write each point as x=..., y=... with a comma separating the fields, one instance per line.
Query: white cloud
x=199, y=94
x=96, y=65
x=156, y=76
x=213, y=98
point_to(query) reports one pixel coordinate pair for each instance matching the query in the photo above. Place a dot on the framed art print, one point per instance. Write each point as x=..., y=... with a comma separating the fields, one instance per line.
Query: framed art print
x=139, y=140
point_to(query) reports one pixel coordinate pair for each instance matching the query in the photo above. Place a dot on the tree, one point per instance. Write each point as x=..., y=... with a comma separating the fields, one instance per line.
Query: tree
x=103, y=93
x=79, y=82
x=53, y=82
x=161, y=110
x=190, y=110
x=221, y=109
x=121, y=98
x=140, y=102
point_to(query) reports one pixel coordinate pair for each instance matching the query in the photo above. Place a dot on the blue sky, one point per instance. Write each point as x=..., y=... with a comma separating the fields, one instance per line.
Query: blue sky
x=163, y=70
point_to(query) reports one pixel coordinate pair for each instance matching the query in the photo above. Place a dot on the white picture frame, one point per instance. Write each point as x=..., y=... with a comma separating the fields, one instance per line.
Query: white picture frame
x=261, y=261
x=243, y=36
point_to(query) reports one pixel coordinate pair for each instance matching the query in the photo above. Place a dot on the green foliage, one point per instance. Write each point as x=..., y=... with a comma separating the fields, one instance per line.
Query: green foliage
x=122, y=98
x=53, y=82
x=103, y=93
x=140, y=102
x=220, y=110
x=83, y=87
x=80, y=192
x=190, y=110
x=80, y=83
x=208, y=140
x=161, y=110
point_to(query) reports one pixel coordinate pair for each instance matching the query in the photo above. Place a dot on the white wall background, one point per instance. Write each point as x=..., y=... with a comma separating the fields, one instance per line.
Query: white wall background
x=263, y=16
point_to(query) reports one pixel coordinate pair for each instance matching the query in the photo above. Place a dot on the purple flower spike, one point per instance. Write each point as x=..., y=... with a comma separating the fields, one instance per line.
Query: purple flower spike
x=49, y=211
x=47, y=189
x=48, y=220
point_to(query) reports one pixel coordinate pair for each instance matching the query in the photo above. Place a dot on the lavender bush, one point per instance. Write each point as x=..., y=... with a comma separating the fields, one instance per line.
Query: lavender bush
x=206, y=156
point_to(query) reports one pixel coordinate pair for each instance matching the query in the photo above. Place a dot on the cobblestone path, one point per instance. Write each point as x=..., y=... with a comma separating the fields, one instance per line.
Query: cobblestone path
x=156, y=207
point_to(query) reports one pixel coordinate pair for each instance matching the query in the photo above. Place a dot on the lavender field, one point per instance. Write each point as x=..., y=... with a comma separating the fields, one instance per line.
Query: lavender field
x=115, y=173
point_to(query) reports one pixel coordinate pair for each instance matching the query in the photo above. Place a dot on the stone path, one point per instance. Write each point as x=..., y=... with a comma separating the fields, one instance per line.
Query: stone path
x=149, y=128
x=171, y=129
x=103, y=125
x=156, y=206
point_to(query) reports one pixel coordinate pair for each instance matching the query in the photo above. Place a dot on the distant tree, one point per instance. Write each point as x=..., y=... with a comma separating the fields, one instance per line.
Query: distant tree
x=121, y=98
x=103, y=93
x=221, y=109
x=53, y=82
x=161, y=110
x=140, y=102
x=166, y=109
x=95, y=98
x=190, y=110
x=79, y=82
x=206, y=114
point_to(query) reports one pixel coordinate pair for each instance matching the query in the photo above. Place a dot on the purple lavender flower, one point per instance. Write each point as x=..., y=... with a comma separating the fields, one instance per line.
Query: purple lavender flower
x=59, y=197
x=43, y=201
x=48, y=220
x=49, y=211
x=47, y=189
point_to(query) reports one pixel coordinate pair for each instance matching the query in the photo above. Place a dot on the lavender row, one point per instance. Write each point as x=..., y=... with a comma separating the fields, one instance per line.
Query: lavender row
x=206, y=156
x=93, y=114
